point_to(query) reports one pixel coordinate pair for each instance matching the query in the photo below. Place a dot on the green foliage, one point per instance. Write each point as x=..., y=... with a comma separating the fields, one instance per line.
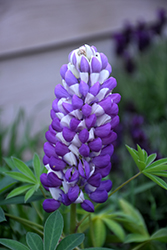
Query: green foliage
x=2, y=215
x=52, y=233
x=149, y=168
x=26, y=175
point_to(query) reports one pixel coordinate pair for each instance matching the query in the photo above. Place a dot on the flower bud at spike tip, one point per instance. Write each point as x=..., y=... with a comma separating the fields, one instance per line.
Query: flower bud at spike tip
x=80, y=138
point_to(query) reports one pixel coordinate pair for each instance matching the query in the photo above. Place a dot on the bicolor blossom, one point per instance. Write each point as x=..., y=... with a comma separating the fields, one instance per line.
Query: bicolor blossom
x=80, y=138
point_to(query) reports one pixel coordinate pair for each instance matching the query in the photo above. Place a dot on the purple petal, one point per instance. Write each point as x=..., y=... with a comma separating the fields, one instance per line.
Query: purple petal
x=52, y=114
x=104, y=171
x=55, y=106
x=114, y=122
x=49, y=149
x=99, y=196
x=77, y=102
x=105, y=185
x=103, y=130
x=86, y=110
x=73, y=193
x=53, y=180
x=84, y=169
x=44, y=179
x=114, y=109
x=72, y=174
x=94, y=90
x=56, y=125
x=70, y=78
x=84, y=135
x=74, y=124
x=95, y=145
x=95, y=180
x=68, y=134
x=83, y=88
x=90, y=121
x=60, y=92
x=56, y=164
x=110, y=83
x=116, y=97
x=107, y=150
x=84, y=150
x=94, y=48
x=67, y=106
x=95, y=65
x=63, y=70
x=106, y=104
x=104, y=60
x=45, y=160
x=61, y=149
x=66, y=201
x=84, y=64
x=109, y=68
x=101, y=161
x=87, y=206
x=110, y=138
x=51, y=205
x=50, y=137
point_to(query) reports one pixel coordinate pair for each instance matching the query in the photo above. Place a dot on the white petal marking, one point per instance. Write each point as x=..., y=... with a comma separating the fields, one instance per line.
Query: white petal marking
x=70, y=159
x=97, y=109
x=103, y=119
x=94, y=77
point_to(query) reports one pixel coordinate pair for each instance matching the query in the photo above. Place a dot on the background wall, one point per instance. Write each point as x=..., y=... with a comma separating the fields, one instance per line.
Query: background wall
x=36, y=37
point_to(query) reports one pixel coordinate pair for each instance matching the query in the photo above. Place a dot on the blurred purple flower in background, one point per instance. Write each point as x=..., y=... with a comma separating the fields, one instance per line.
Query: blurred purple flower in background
x=80, y=138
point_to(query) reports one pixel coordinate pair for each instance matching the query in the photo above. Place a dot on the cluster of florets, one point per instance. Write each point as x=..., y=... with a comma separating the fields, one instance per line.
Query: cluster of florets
x=80, y=137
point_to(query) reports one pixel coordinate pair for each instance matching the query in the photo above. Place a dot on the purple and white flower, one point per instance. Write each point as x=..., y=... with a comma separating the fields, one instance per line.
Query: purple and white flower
x=80, y=138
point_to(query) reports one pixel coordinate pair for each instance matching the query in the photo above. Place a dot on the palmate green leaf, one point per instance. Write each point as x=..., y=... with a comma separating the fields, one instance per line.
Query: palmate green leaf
x=134, y=155
x=2, y=215
x=158, y=163
x=141, y=154
x=22, y=167
x=115, y=227
x=37, y=166
x=162, y=173
x=129, y=210
x=155, y=168
x=157, y=180
x=71, y=241
x=150, y=159
x=6, y=183
x=9, y=162
x=53, y=230
x=13, y=244
x=34, y=241
x=19, y=190
x=99, y=232
x=136, y=238
x=31, y=191
x=20, y=177
x=19, y=200
x=160, y=235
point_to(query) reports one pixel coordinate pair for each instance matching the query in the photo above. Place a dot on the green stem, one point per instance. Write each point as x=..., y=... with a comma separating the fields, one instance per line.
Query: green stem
x=37, y=211
x=118, y=188
x=91, y=231
x=42, y=192
x=24, y=221
x=72, y=218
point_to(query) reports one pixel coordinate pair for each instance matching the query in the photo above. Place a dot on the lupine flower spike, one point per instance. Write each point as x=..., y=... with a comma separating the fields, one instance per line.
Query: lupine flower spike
x=79, y=140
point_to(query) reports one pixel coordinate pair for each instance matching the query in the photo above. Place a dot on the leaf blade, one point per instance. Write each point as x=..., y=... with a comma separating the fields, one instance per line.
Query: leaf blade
x=13, y=244
x=34, y=241
x=22, y=167
x=71, y=241
x=53, y=230
x=18, y=191
x=19, y=176
x=37, y=166
x=2, y=215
